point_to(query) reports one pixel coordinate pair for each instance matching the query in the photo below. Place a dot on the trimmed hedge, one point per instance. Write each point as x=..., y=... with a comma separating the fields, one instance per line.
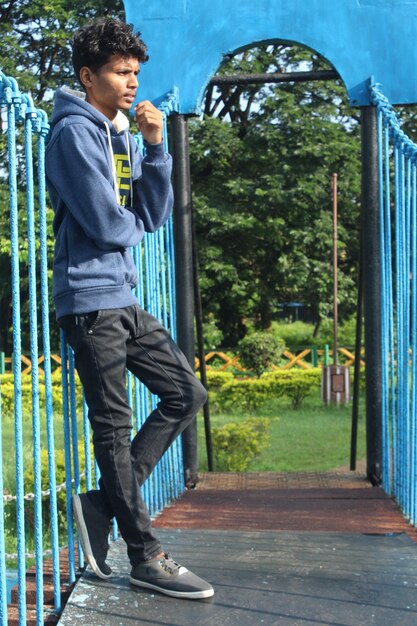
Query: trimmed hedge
x=250, y=394
x=216, y=379
x=7, y=393
x=294, y=384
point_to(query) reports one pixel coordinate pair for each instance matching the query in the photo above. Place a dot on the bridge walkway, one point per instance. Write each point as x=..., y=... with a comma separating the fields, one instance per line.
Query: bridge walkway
x=280, y=549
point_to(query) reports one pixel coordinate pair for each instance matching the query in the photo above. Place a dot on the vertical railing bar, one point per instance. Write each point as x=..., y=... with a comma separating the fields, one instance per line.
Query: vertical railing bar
x=158, y=263
x=87, y=451
x=33, y=325
x=17, y=352
x=164, y=295
x=74, y=433
x=74, y=425
x=390, y=311
x=413, y=430
x=67, y=453
x=136, y=389
x=384, y=335
x=401, y=328
x=404, y=339
x=400, y=323
x=3, y=586
x=171, y=278
x=47, y=366
x=398, y=319
x=407, y=305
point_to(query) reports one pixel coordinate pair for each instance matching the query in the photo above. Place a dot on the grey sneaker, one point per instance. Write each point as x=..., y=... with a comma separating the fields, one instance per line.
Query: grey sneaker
x=93, y=530
x=170, y=578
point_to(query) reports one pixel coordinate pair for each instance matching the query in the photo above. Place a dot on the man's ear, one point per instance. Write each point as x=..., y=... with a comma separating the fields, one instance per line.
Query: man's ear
x=86, y=76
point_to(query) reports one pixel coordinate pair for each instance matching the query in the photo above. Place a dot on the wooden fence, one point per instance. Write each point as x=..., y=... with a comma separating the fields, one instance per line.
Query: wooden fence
x=305, y=359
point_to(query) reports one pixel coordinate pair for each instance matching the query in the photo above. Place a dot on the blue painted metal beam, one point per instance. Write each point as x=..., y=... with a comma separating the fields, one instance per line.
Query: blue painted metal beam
x=187, y=40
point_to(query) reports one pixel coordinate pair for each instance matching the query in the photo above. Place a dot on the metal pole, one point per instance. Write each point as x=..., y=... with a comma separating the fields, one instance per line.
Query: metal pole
x=372, y=295
x=335, y=309
x=201, y=354
x=357, y=365
x=184, y=272
x=274, y=77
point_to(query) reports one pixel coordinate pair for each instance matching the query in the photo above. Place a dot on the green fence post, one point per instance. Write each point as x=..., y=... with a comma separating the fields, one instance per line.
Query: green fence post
x=326, y=355
x=2, y=363
x=314, y=356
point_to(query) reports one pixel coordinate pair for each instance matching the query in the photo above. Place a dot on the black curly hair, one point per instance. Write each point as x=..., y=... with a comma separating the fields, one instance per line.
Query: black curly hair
x=95, y=43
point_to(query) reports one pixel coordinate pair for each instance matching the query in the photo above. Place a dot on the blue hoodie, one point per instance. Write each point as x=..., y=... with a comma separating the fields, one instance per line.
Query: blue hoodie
x=105, y=196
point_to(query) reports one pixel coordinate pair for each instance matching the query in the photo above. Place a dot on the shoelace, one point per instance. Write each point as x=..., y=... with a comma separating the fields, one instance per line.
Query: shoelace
x=169, y=565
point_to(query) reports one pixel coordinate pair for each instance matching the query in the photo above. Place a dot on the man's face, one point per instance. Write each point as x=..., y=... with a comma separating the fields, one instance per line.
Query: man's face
x=113, y=86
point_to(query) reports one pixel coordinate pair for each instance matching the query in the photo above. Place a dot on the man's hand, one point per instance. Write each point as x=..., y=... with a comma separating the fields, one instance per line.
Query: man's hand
x=149, y=121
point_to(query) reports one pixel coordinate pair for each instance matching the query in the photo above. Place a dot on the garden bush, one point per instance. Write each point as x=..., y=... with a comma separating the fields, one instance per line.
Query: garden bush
x=236, y=445
x=293, y=384
x=258, y=351
x=216, y=379
x=250, y=394
x=7, y=393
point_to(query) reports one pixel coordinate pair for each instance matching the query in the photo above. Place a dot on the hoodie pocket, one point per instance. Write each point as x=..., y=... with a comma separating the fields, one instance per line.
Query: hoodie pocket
x=88, y=266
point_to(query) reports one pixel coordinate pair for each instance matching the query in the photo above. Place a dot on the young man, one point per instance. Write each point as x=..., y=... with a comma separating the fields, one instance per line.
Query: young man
x=105, y=197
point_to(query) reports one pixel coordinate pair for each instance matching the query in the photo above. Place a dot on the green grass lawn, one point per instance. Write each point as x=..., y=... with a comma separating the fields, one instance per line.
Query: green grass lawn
x=313, y=438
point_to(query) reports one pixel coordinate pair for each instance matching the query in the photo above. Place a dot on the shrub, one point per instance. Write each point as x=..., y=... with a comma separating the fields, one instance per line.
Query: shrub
x=7, y=393
x=259, y=350
x=248, y=394
x=294, y=384
x=216, y=379
x=236, y=445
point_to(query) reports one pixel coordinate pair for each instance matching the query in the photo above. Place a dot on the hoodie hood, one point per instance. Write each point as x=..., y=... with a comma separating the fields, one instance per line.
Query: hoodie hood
x=71, y=102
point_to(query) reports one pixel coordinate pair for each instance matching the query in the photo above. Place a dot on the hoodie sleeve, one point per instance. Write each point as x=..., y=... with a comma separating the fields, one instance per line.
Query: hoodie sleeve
x=152, y=186
x=78, y=169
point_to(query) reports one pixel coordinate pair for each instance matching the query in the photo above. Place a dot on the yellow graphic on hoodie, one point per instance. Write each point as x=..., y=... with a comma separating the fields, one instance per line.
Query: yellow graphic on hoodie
x=123, y=174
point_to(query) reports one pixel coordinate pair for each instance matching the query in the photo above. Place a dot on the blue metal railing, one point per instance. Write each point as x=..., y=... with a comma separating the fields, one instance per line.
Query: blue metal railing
x=397, y=162
x=23, y=183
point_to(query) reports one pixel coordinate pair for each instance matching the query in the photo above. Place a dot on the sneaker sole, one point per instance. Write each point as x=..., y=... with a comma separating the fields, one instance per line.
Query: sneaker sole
x=84, y=540
x=191, y=595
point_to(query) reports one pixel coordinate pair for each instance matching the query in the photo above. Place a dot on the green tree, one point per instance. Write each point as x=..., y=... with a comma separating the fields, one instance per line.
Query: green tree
x=262, y=196
x=35, y=40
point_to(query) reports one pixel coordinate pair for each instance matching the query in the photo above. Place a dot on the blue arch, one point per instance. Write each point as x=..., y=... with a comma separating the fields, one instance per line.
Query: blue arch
x=360, y=38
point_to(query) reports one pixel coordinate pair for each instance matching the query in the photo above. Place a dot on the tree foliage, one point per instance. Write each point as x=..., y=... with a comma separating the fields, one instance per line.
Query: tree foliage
x=262, y=196
x=35, y=38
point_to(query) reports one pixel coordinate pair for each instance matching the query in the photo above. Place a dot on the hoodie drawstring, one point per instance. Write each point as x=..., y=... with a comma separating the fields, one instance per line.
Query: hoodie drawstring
x=130, y=167
x=116, y=186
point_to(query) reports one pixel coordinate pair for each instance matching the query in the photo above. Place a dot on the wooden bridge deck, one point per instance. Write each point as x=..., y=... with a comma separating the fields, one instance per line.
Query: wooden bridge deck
x=297, y=549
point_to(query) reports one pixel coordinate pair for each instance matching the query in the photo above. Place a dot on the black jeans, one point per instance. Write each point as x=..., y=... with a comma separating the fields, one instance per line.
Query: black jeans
x=105, y=343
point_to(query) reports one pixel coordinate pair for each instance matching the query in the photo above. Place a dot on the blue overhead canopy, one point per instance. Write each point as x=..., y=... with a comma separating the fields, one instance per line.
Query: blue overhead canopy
x=360, y=38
